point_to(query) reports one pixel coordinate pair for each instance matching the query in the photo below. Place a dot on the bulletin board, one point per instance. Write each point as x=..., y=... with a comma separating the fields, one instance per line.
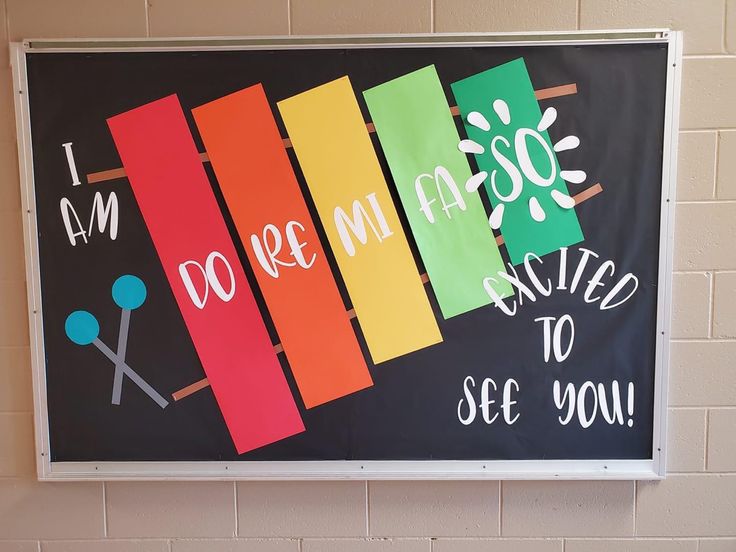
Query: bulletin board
x=350, y=257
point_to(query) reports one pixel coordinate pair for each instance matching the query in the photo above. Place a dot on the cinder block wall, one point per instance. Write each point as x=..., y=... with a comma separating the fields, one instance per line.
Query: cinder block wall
x=693, y=510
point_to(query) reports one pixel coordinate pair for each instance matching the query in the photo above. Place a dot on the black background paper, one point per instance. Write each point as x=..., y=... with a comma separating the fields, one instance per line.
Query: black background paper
x=411, y=411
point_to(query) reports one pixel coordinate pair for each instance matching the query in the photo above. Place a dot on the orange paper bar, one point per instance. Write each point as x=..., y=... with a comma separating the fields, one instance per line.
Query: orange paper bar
x=264, y=199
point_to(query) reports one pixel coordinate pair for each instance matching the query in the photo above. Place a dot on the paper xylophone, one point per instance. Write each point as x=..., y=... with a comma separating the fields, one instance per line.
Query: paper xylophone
x=415, y=128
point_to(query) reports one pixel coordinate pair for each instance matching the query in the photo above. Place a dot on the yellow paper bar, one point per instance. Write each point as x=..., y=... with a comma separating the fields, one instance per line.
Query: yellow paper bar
x=345, y=179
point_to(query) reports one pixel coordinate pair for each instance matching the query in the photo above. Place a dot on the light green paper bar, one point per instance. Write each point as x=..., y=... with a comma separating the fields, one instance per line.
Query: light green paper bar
x=419, y=138
x=510, y=83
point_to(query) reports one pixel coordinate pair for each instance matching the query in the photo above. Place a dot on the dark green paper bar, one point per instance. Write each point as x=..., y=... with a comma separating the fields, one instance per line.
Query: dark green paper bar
x=419, y=138
x=522, y=234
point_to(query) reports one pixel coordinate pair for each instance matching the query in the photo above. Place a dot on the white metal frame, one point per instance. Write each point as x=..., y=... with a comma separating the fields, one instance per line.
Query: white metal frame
x=653, y=468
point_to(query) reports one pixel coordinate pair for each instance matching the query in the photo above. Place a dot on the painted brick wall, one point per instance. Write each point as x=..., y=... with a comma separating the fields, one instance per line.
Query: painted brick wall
x=693, y=510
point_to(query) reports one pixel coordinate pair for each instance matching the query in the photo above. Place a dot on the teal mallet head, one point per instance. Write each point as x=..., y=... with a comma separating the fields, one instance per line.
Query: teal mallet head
x=129, y=292
x=82, y=327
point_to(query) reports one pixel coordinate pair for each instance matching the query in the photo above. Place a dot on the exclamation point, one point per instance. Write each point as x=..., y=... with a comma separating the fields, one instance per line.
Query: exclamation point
x=630, y=406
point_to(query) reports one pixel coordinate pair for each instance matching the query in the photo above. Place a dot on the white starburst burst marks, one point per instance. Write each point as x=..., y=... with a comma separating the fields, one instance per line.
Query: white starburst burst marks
x=524, y=168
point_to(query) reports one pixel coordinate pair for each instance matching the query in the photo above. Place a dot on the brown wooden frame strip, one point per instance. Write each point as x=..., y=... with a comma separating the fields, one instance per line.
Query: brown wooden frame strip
x=541, y=94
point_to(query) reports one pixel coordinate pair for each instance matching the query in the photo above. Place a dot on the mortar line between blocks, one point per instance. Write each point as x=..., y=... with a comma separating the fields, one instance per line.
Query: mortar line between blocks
x=705, y=440
x=6, y=24
x=367, y=509
x=633, y=511
x=711, y=303
x=706, y=202
x=432, y=25
x=699, y=272
x=701, y=340
x=715, y=165
x=705, y=129
x=235, y=503
x=104, y=508
x=500, y=508
x=619, y=538
x=578, y=8
x=148, y=20
x=701, y=407
x=724, y=49
x=288, y=16
x=706, y=474
x=709, y=56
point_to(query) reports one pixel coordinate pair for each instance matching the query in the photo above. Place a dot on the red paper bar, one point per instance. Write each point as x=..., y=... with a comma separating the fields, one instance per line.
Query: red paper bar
x=264, y=199
x=208, y=282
